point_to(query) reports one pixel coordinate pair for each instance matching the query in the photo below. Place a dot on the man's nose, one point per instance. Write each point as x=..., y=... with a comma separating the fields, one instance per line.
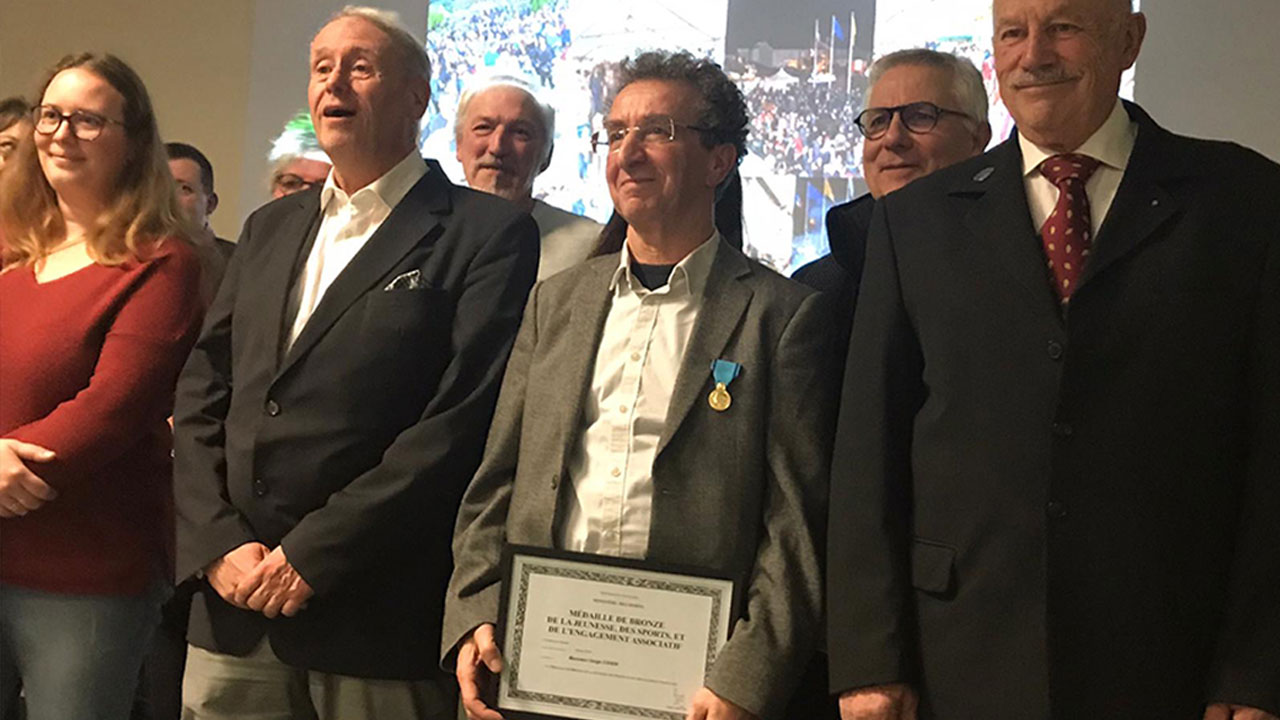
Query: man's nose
x=1039, y=50
x=631, y=148
x=897, y=135
x=499, y=141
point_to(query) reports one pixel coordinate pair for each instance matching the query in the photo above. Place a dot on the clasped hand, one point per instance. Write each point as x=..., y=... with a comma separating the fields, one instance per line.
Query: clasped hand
x=21, y=490
x=251, y=577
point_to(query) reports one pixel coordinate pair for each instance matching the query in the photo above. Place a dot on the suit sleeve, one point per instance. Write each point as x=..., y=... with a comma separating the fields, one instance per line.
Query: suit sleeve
x=480, y=533
x=870, y=618
x=1247, y=671
x=208, y=524
x=781, y=623
x=417, y=482
x=128, y=394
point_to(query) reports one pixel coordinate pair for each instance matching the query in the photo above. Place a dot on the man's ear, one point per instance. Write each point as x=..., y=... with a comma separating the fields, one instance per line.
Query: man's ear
x=546, y=163
x=421, y=97
x=724, y=158
x=981, y=137
x=212, y=204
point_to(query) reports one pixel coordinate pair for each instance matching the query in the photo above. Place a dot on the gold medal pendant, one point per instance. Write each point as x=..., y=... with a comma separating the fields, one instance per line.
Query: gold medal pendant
x=719, y=399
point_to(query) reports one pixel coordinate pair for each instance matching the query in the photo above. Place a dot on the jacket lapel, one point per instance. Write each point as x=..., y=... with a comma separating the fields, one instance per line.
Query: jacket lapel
x=1000, y=221
x=414, y=218
x=293, y=242
x=724, y=302
x=1141, y=204
x=590, y=302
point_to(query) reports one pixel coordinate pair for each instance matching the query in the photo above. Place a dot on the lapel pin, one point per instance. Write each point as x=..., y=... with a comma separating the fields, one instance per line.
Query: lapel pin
x=723, y=372
x=983, y=174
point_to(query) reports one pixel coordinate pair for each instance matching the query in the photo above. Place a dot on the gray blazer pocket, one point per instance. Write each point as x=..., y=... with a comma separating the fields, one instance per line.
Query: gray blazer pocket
x=932, y=566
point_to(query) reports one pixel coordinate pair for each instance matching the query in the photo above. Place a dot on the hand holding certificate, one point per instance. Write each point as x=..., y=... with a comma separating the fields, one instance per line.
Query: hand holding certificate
x=478, y=661
x=592, y=637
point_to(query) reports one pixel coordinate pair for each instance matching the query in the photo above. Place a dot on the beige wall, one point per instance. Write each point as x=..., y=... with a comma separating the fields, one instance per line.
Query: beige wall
x=1212, y=69
x=193, y=56
x=282, y=31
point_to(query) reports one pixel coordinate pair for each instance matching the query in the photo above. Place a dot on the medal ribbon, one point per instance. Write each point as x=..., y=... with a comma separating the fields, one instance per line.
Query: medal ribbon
x=724, y=371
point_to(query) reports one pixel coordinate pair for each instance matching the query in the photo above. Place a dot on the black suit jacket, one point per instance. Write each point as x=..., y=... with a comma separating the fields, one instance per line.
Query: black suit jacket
x=352, y=449
x=839, y=273
x=1036, y=516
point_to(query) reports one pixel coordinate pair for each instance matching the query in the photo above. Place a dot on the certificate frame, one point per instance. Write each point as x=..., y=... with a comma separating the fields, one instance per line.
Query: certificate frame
x=521, y=563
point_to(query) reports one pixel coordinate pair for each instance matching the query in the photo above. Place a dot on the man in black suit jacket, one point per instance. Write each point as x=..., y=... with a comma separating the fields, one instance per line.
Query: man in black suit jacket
x=337, y=404
x=926, y=110
x=1054, y=495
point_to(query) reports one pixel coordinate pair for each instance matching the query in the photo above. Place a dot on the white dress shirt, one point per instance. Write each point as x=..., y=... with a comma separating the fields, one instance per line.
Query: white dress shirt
x=641, y=348
x=346, y=224
x=1111, y=145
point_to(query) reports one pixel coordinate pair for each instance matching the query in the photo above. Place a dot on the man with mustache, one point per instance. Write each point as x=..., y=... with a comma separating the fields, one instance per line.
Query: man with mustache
x=1054, y=491
x=505, y=137
x=336, y=405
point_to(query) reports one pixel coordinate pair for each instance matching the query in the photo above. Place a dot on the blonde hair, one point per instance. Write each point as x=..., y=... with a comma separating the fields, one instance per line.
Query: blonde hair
x=145, y=209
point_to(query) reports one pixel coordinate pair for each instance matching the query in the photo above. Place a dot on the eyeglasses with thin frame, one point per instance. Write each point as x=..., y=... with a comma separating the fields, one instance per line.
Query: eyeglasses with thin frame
x=85, y=125
x=653, y=130
x=918, y=117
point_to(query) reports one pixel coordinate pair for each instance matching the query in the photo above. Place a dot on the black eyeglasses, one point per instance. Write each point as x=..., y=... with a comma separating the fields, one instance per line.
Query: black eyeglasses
x=85, y=125
x=653, y=130
x=918, y=117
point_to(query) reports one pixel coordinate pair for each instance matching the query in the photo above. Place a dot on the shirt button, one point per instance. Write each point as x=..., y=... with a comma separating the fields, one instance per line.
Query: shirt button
x=1055, y=350
x=622, y=408
x=635, y=357
x=273, y=408
x=259, y=488
x=616, y=472
x=1063, y=430
x=1056, y=510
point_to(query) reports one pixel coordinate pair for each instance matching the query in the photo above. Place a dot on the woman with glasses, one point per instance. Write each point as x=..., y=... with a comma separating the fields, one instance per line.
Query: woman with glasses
x=98, y=309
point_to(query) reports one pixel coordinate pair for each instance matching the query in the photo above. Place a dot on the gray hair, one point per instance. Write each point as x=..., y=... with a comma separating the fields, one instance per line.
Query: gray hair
x=412, y=52
x=966, y=81
x=546, y=113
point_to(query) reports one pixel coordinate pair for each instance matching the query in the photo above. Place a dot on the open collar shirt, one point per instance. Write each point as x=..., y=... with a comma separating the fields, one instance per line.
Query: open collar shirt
x=641, y=349
x=346, y=224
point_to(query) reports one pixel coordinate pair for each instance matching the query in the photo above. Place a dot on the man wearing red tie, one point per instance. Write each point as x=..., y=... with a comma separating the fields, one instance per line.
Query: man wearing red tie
x=1054, y=488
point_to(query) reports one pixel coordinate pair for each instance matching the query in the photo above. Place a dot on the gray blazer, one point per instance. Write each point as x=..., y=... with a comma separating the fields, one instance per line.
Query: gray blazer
x=742, y=491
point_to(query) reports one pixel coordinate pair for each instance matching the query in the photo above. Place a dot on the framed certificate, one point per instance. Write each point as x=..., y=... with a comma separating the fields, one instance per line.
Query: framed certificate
x=595, y=637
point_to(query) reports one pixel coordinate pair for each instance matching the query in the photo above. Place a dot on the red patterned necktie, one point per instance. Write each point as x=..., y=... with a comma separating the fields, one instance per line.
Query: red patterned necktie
x=1066, y=232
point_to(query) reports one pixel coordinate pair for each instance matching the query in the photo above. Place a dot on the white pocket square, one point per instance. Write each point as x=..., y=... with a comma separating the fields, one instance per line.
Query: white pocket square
x=411, y=280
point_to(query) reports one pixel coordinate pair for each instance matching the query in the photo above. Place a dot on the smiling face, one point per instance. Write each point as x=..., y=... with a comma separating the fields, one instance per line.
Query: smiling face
x=1059, y=64
x=501, y=142
x=76, y=167
x=664, y=182
x=364, y=102
x=899, y=156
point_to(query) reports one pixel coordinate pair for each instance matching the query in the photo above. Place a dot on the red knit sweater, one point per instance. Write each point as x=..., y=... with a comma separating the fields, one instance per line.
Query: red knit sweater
x=88, y=364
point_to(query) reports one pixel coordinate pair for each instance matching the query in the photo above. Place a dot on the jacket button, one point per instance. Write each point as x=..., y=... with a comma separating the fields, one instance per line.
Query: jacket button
x=1063, y=430
x=1055, y=350
x=555, y=481
x=273, y=408
x=259, y=488
x=1056, y=510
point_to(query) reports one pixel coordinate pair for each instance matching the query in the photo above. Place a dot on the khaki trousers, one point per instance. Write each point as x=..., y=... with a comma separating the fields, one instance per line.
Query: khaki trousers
x=261, y=687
